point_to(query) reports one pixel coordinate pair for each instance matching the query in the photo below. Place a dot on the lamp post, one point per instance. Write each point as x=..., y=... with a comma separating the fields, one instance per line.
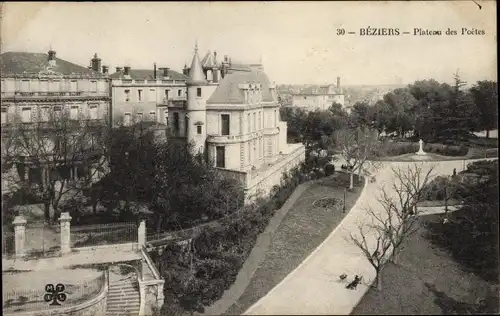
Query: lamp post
x=345, y=191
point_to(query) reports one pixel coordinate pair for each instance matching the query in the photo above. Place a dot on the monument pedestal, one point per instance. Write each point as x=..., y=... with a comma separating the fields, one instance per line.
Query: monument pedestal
x=421, y=151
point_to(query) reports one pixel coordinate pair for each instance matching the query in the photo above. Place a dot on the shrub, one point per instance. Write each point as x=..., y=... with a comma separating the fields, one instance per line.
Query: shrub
x=472, y=232
x=482, y=167
x=329, y=169
x=397, y=148
x=219, y=255
x=441, y=186
x=446, y=150
x=402, y=148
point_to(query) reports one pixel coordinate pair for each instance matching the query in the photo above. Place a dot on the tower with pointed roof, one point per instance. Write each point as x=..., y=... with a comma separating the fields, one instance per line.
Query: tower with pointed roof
x=197, y=94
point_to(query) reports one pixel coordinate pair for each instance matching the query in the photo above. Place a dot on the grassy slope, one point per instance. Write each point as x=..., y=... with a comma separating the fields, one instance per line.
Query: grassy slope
x=426, y=281
x=301, y=231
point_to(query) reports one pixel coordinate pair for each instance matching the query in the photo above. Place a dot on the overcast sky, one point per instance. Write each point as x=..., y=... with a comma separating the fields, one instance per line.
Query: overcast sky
x=297, y=40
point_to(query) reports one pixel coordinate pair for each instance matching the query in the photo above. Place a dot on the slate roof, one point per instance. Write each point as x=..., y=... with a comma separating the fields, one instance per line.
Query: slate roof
x=228, y=90
x=22, y=62
x=196, y=75
x=148, y=74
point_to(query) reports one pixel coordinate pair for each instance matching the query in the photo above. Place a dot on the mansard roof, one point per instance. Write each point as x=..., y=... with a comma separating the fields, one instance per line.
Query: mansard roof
x=148, y=74
x=21, y=63
x=229, y=92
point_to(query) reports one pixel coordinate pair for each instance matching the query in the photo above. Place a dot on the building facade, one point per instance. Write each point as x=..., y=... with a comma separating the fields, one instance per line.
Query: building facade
x=321, y=98
x=36, y=89
x=233, y=119
x=145, y=95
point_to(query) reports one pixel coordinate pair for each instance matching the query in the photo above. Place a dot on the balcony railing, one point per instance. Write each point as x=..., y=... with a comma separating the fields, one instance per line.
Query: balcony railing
x=56, y=94
x=176, y=101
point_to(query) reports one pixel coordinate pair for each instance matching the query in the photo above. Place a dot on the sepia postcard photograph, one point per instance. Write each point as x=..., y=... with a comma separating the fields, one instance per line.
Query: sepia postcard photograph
x=249, y=158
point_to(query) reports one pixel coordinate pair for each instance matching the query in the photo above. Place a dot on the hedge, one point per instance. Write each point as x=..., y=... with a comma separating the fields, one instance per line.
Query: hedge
x=435, y=190
x=402, y=148
x=218, y=254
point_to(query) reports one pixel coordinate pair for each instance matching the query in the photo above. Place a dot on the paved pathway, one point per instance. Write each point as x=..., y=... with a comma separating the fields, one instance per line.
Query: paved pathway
x=313, y=287
x=124, y=252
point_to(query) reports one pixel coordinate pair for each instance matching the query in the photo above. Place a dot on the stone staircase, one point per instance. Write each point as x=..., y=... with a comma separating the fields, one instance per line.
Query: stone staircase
x=123, y=297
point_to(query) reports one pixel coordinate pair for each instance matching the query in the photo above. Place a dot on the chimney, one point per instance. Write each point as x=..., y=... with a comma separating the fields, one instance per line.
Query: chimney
x=118, y=69
x=185, y=71
x=165, y=71
x=338, y=82
x=154, y=71
x=105, y=69
x=96, y=63
x=126, y=70
x=52, y=58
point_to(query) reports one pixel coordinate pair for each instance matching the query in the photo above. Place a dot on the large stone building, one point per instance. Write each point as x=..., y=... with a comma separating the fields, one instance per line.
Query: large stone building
x=312, y=98
x=35, y=89
x=232, y=117
x=145, y=94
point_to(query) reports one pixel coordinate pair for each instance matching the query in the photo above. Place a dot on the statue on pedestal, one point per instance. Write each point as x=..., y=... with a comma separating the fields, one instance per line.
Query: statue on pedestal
x=421, y=151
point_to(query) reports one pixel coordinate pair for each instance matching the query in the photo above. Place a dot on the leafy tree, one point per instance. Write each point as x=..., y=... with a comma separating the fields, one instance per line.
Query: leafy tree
x=361, y=115
x=431, y=97
x=356, y=146
x=56, y=157
x=485, y=96
x=399, y=103
x=177, y=188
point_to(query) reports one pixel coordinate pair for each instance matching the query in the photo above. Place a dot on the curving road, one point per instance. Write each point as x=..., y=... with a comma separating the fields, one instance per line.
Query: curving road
x=313, y=287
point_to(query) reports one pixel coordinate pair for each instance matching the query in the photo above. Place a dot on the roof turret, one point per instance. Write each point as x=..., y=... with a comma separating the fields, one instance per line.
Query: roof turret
x=196, y=75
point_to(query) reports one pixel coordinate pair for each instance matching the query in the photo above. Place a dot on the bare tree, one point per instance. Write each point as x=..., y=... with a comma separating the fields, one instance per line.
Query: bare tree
x=396, y=220
x=357, y=146
x=400, y=213
x=376, y=254
x=56, y=156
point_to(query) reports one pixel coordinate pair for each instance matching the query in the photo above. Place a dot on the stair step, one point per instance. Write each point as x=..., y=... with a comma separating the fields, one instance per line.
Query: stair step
x=121, y=294
x=124, y=297
x=116, y=301
x=122, y=312
x=122, y=308
x=123, y=289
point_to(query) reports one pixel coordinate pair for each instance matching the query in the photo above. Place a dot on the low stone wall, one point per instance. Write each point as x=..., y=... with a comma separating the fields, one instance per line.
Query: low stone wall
x=93, y=307
x=262, y=183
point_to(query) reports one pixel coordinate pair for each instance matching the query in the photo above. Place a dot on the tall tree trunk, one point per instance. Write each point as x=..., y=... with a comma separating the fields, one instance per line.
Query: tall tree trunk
x=46, y=212
x=351, y=182
x=487, y=134
x=395, y=255
x=379, y=280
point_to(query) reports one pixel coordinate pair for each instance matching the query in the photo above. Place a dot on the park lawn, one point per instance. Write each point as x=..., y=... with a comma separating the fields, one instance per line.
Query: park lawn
x=301, y=231
x=427, y=280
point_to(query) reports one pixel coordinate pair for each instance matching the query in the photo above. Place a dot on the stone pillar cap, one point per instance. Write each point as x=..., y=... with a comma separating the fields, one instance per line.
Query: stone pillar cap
x=65, y=216
x=19, y=220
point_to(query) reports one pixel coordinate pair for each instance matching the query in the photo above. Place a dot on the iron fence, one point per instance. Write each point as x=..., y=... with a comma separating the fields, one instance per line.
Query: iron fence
x=8, y=244
x=24, y=300
x=41, y=240
x=103, y=234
